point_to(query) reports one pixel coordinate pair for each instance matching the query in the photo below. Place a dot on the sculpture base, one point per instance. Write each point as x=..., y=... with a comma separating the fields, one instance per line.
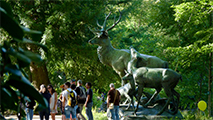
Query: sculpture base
x=147, y=113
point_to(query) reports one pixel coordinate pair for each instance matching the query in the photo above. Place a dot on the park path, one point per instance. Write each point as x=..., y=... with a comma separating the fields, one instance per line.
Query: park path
x=35, y=117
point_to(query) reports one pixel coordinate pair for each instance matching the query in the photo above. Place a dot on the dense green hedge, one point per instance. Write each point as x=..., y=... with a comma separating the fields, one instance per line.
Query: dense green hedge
x=15, y=86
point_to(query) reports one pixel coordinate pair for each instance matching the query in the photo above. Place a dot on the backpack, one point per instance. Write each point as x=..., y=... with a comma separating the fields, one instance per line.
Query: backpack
x=82, y=95
x=72, y=99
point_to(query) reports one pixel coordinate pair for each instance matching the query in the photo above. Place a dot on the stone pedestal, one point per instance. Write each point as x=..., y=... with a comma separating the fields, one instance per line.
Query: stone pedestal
x=147, y=113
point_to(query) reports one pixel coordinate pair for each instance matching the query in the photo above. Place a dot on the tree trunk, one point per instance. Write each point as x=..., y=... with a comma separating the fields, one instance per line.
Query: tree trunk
x=200, y=82
x=210, y=73
x=209, y=83
x=39, y=74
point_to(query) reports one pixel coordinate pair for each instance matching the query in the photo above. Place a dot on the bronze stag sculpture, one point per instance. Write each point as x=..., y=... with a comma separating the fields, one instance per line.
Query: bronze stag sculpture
x=119, y=58
x=157, y=78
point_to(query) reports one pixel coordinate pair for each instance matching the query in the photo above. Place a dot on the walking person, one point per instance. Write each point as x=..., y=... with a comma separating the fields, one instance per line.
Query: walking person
x=29, y=108
x=69, y=99
x=61, y=108
x=89, y=102
x=81, y=94
x=45, y=112
x=113, y=97
x=73, y=81
x=53, y=101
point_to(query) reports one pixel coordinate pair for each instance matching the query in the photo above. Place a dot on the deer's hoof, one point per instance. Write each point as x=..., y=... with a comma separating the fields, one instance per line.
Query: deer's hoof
x=145, y=106
x=134, y=114
x=159, y=113
x=127, y=108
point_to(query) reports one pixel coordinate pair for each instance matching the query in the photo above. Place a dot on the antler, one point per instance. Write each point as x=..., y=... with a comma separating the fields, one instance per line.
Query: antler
x=99, y=25
x=94, y=30
x=104, y=24
x=115, y=23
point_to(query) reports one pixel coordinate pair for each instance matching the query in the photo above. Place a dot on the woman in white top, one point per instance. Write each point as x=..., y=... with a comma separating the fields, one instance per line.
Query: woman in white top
x=53, y=101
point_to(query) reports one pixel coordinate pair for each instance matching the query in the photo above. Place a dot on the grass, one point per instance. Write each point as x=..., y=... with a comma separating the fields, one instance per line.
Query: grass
x=187, y=115
x=96, y=115
x=196, y=115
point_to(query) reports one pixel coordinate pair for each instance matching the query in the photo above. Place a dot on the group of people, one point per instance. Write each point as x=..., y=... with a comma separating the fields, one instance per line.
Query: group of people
x=83, y=97
x=51, y=96
x=73, y=98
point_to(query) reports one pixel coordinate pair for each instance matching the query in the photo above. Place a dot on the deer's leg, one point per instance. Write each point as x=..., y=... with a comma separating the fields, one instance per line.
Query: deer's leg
x=135, y=94
x=129, y=99
x=153, y=96
x=132, y=84
x=177, y=95
x=168, y=92
x=140, y=91
x=148, y=95
x=132, y=92
x=122, y=74
x=176, y=103
x=126, y=101
x=123, y=82
x=131, y=102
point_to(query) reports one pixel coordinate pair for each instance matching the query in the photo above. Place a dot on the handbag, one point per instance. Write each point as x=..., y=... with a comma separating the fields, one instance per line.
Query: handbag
x=111, y=105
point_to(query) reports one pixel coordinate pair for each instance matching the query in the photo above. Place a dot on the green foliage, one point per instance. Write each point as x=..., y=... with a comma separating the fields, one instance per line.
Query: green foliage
x=67, y=35
x=193, y=17
x=160, y=29
x=195, y=115
x=96, y=100
x=15, y=85
x=176, y=31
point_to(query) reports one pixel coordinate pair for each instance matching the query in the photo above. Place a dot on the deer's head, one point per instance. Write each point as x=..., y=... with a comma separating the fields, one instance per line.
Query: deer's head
x=136, y=60
x=134, y=53
x=101, y=35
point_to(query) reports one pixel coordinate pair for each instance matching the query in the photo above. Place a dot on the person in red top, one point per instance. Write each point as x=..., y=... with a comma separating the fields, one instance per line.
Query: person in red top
x=114, y=96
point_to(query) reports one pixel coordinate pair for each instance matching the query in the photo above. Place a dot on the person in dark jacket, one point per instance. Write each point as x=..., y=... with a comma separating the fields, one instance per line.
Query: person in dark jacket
x=29, y=108
x=81, y=94
x=114, y=97
x=45, y=112
x=89, y=103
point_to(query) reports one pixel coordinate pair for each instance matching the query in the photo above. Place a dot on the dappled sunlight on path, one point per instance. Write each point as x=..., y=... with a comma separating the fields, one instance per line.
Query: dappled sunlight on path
x=35, y=117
